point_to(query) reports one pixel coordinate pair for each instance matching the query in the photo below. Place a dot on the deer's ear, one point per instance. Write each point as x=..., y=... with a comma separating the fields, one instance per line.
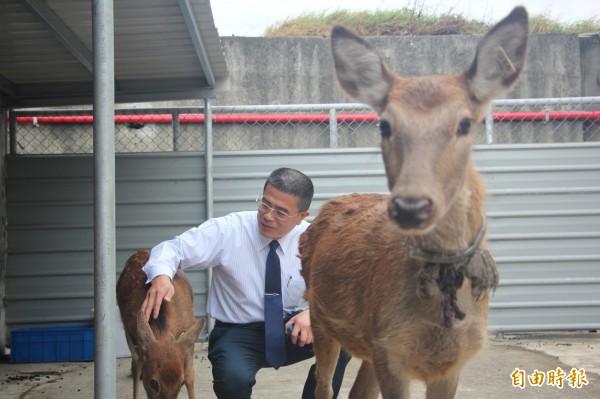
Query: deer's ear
x=500, y=57
x=145, y=334
x=359, y=69
x=189, y=337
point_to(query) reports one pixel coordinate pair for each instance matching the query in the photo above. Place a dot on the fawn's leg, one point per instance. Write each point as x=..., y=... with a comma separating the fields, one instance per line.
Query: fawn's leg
x=189, y=374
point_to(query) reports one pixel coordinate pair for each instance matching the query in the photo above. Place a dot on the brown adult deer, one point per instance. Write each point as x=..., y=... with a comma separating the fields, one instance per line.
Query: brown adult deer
x=402, y=281
x=162, y=350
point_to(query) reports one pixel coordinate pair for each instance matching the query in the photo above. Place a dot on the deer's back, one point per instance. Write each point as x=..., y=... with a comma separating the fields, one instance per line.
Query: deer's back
x=175, y=317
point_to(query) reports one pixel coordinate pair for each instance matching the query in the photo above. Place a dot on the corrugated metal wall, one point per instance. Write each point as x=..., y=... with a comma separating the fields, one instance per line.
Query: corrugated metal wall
x=50, y=227
x=544, y=211
x=544, y=226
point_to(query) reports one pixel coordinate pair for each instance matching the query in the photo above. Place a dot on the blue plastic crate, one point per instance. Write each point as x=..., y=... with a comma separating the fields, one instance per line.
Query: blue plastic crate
x=52, y=344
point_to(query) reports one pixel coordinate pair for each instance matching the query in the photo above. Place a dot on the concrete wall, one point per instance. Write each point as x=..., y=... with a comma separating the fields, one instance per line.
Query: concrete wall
x=590, y=72
x=299, y=69
x=590, y=64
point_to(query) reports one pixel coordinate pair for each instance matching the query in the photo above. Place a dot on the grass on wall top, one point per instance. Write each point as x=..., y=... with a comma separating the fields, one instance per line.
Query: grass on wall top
x=412, y=21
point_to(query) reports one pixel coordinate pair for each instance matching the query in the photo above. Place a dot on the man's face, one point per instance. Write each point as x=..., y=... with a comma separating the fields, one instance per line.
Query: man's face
x=268, y=224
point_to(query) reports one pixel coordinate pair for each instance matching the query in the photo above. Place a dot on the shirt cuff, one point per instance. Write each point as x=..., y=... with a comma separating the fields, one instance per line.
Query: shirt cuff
x=153, y=271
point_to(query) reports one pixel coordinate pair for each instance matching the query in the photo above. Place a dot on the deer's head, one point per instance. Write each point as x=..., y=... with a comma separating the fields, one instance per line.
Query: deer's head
x=164, y=358
x=428, y=123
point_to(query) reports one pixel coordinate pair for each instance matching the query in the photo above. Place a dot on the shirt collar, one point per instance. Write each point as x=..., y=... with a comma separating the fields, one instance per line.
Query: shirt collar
x=284, y=242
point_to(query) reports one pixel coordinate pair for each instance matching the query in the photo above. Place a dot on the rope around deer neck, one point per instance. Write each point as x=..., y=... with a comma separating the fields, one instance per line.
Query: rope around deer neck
x=433, y=257
x=450, y=274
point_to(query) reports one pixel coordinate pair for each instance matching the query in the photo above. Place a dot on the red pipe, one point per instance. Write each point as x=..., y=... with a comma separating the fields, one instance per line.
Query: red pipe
x=547, y=116
x=593, y=116
x=199, y=118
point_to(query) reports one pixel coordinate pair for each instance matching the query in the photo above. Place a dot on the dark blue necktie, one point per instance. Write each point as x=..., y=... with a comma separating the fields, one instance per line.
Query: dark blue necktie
x=274, y=330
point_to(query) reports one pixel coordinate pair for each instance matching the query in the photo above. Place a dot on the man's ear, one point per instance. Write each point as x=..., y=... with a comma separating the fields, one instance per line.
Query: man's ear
x=303, y=216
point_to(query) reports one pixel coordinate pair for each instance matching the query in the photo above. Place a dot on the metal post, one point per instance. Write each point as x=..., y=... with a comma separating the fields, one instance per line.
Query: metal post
x=175, y=124
x=12, y=131
x=3, y=230
x=104, y=200
x=489, y=126
x=208, y=151
x=333, y=129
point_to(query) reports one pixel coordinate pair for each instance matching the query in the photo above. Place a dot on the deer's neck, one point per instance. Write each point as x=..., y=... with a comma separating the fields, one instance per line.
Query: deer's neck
x=460, y=226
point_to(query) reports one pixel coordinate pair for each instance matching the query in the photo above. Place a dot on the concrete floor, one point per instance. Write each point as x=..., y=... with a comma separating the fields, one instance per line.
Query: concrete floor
x=487, y=376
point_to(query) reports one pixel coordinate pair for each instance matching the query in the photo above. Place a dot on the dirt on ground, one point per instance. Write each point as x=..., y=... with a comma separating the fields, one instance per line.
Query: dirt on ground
x=527, y=365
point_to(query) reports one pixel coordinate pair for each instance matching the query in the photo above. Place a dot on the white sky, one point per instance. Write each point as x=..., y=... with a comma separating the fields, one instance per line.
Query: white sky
x=252, y=17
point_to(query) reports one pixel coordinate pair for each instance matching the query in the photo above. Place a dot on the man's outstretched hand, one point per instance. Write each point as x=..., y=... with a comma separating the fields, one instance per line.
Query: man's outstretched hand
x=161, y=290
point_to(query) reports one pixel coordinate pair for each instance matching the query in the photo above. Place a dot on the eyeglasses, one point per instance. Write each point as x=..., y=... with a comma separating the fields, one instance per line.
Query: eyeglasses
x=279, y=214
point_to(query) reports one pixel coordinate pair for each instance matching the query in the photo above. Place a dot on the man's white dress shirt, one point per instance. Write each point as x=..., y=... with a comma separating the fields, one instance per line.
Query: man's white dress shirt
x=236, y=251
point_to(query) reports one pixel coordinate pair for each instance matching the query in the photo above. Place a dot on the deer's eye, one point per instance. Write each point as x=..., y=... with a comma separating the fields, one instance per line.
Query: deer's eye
x=154, y=385
x=385, y=129
x=464, y=127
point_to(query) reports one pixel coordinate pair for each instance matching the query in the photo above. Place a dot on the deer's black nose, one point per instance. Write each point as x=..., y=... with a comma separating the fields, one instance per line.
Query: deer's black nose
x=410, y=212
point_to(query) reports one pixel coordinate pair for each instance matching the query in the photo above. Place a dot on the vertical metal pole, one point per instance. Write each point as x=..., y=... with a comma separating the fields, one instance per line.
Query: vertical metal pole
x=208, y=151
x=12, y=131
x=489, y=125
x=175, y=124
x=333, y=129
x=3, y=227
x=104, y=200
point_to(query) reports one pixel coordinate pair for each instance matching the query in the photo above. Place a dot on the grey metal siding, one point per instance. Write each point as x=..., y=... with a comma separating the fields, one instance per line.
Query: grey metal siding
x=50, y=227
x=544, y=211
x=239, y=176
x=543, y=208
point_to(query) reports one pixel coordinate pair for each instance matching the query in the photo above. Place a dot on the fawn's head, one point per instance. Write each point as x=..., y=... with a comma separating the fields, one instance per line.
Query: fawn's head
x=164, y=358
x=428, y=123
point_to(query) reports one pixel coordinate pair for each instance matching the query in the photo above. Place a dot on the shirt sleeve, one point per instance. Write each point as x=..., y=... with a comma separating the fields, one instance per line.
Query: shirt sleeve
x=199, y=247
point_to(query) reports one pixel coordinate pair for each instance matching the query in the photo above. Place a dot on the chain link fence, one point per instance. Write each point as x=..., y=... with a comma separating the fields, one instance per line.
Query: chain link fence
x=243, y=128
x=558, y=120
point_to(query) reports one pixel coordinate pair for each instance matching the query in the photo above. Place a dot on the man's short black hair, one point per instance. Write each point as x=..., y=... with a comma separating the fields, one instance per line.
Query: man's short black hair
x=294, y=182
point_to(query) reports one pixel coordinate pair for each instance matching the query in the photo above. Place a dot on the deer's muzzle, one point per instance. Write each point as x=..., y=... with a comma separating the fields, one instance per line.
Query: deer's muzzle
x=410, y=212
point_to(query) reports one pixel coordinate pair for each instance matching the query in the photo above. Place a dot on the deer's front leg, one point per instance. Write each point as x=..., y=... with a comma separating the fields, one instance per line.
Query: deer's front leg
x=365, y=385
x=393, y=380
x=327, y=352
x=444, y=388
